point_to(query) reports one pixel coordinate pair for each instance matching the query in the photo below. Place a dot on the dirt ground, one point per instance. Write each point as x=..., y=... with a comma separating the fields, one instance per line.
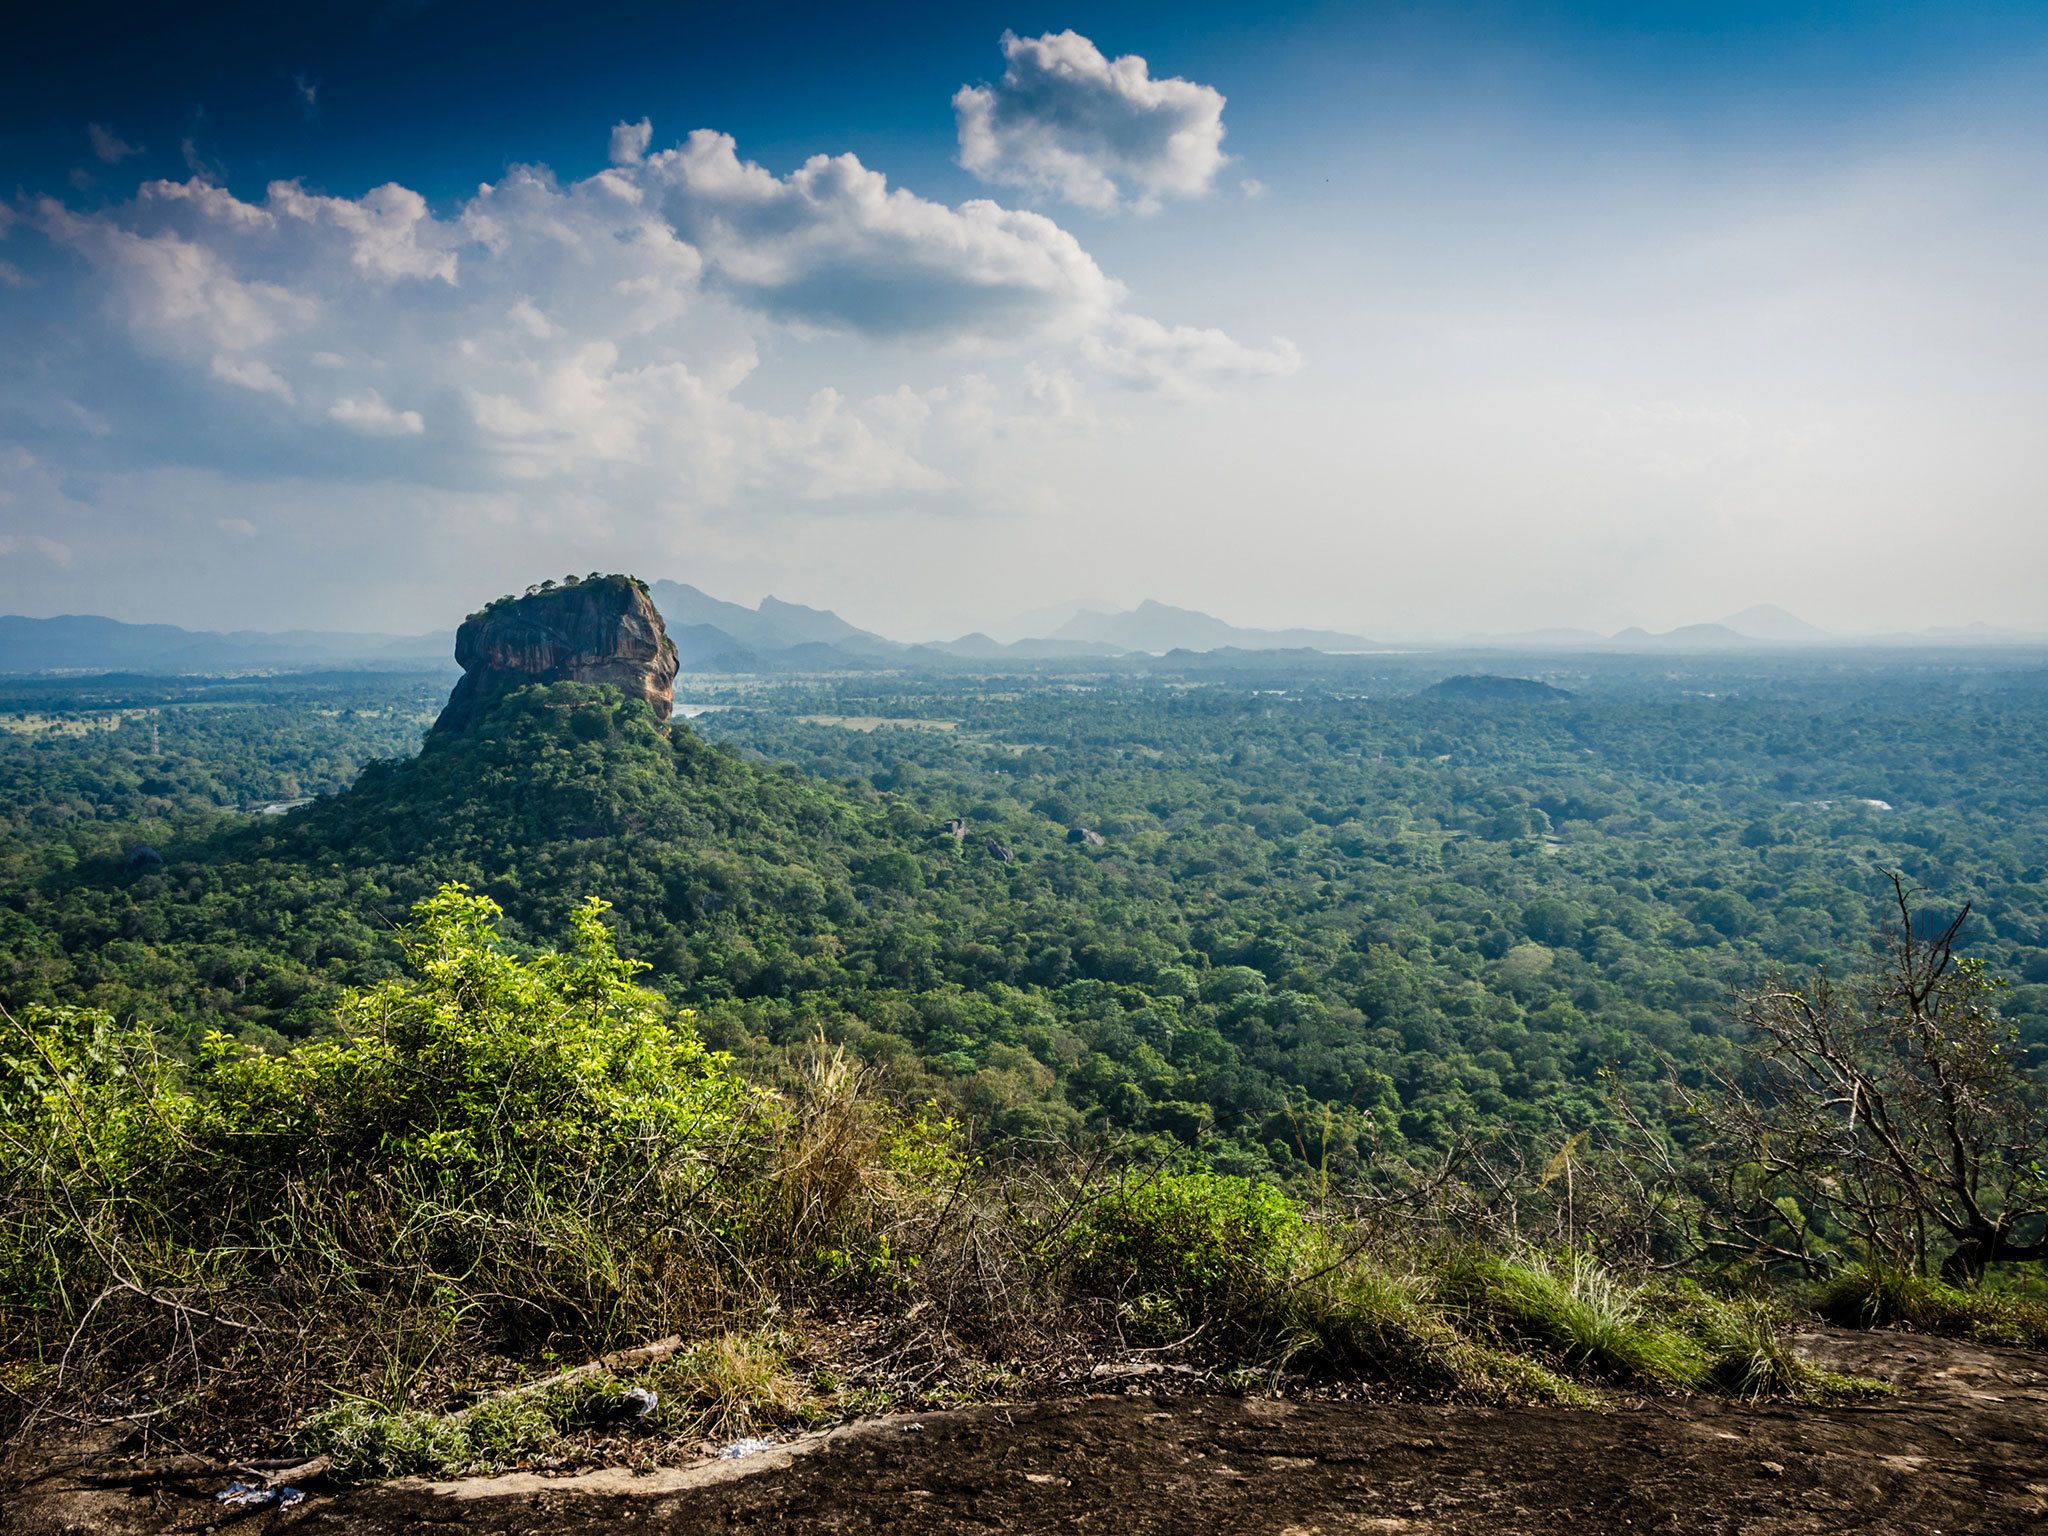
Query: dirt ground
x=1961, y=1447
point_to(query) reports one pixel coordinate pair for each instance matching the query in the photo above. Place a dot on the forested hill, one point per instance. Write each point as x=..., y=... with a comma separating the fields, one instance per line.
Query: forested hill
x=1299, y=919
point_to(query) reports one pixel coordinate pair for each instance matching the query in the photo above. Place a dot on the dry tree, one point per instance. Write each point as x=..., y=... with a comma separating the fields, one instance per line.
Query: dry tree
x=1896, y=1117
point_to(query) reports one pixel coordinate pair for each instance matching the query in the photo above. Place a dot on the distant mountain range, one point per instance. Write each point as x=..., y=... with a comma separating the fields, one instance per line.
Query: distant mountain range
x=774, y=626
x=1764, y=627
x=713, y=635
x=1157, y=628
x=88, y=643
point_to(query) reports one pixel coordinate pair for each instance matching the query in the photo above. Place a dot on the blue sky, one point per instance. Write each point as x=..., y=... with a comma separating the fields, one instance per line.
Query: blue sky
x=1409, y=319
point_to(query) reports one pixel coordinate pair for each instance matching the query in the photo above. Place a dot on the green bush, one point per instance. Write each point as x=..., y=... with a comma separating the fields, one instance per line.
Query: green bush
x=1188, y=1251
x=496, y=1153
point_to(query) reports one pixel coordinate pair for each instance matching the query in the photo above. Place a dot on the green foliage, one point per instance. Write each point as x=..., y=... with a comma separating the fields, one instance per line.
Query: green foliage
x=729, y=1384
x=369, y=1443
x=1587, y=1320
x=271, y=1138
x=1186, y=1251
x=1584, y=1315
x=497, y=1152
x=485, y=1070
x=1333, y=924
x=1861, y=1296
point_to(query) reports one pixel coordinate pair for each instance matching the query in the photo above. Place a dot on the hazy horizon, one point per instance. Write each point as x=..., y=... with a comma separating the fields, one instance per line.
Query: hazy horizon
x=1449, y=320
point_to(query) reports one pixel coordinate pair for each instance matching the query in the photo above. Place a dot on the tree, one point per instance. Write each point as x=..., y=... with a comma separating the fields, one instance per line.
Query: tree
x=1900, y=1115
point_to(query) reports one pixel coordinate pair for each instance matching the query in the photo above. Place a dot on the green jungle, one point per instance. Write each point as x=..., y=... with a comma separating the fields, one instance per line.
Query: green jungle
x=880, y=1037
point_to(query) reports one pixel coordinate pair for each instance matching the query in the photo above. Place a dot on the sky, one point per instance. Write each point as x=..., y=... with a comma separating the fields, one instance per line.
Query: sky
x=1410, y=320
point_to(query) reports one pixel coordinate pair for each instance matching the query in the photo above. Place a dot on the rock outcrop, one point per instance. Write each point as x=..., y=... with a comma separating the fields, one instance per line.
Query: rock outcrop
x=604, y=630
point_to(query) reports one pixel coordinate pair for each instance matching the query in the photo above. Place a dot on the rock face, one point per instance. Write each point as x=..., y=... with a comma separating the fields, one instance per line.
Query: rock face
x=604, y=630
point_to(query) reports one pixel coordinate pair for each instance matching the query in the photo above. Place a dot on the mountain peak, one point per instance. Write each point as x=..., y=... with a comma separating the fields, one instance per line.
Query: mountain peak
x=773, y=626
x=1767, y=621
x=1160, y=627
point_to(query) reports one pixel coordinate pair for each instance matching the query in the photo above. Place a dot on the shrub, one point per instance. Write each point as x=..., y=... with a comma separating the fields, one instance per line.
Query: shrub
x=496, y=1152
x=1188, y=1252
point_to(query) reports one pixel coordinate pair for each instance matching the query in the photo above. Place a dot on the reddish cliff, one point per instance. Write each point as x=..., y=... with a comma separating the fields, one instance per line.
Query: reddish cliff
x=603, y=630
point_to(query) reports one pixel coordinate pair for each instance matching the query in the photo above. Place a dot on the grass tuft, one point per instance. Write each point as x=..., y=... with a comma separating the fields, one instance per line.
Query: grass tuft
x=1863, y=1297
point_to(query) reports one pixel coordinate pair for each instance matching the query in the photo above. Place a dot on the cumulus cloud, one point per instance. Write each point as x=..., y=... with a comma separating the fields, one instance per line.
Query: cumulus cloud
x=389, y=232
x=833, y=245
x=596, y=341
x=176, y=289
x=630, y=141
x=1066, y=121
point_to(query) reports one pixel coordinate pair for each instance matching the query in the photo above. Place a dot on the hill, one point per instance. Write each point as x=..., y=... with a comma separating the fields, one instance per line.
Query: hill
x=1687, y=637
x=1484, y=688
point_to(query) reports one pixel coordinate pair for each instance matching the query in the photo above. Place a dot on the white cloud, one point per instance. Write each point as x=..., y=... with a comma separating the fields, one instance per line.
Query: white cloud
x=251, y=373
x=240, y=527
x=367, y=413
x=1252, y=188
x=1065, y=121
x=391, y=234
x=177, y=291
x=1182, y=360
x=527, y=316
x=595, y=344
x=1060, y=397
x=832, y=245
x=108, y=145
x=215, y=203
x=630, y=141
x=308, y=93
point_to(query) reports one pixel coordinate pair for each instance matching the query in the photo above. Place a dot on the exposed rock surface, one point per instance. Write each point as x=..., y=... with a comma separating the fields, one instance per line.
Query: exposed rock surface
x=600, y=631
x=1961, y=1448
